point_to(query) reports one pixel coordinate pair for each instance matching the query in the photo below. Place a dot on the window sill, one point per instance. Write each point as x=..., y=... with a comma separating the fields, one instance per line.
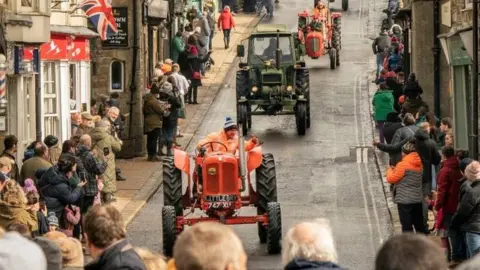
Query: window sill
x=466, y=9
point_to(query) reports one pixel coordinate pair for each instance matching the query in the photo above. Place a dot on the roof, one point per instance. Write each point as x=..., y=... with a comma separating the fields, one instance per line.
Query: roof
x=265, y=28
x=79, y=31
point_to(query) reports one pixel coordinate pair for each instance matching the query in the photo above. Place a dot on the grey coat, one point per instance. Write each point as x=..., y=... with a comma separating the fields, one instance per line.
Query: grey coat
x=401, y=136
x=381, y=43
x=204, y=26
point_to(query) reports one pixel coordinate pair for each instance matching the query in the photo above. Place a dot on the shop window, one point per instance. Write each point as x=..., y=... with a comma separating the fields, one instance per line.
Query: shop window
x=74, y=88
x=50, y=100
x=117, y=76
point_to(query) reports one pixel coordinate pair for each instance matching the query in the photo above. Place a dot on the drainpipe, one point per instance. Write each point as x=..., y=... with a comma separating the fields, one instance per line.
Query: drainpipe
x=436, y=57
x=38, y=92
x=133, y=82
x=474, y=135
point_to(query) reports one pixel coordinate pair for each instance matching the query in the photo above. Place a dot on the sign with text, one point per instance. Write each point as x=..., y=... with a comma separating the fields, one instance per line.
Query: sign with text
x=121, y=38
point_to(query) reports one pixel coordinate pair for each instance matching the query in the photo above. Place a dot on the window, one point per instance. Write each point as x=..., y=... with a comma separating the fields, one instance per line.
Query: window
x=74, y=88
x=50, y=100
x=263, y=48
x=117, y=80
x=27, y=3
x=468, y=4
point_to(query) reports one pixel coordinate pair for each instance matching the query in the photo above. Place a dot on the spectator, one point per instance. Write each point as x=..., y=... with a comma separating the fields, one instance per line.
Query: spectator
x=3, y=181
x=449, y=141
x=382, y=106
x=29, y=186
x=209, y=245
x=10, y=143
x=170, y=95
x=396, y=85
x=39, y=161
x=178, y=46
x=53, y=224
x=183, y=85
x=177, y=112
x=226, y=23
x=71, y=250
x=105, y=144
x=193, y=73
x=152, y=261
x=33, y=206
x=55, y=186
x=407, y=179
x=445, y=127
x=394, y=60
x=93, y=169
x=427, y=150
x=53, y=148
x=85, y=127
x=400, y=137
x=29, y=151
x=6, y=165
x=116, y=127
x=413, y=90
x=467, y=217
x=310, y=245
x=408, y=252
x=167, y=66
x=472, y=264
x=75, y=122
x=153, y=118
x=13, y=208
x=31, y=256
x=205, y=29
x=21, y=229
x=52, y=252
x=211, y=23
x=379, y=47
x=391, y=126
x=448, y=194
x=106, y=240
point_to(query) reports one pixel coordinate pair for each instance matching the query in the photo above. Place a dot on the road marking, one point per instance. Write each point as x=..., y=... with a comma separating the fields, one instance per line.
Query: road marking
x=365, y=155
x=359, y=155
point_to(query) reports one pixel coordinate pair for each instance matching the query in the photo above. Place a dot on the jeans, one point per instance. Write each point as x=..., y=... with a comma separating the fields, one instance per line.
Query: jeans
x=473, y=244
x=411, y=216
x=168, y=131
x=226, y=36
x=380, y=125
x=212, y=34
x=380, y=58
x=192, y=94
x=456, y=239
x=434, y=177
x=152, y=140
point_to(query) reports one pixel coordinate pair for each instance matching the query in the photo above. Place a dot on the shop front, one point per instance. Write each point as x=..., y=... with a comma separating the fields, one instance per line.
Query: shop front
x=65, y=81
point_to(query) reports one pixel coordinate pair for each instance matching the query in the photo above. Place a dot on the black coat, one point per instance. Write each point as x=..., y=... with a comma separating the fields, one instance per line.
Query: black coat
x=298, y=264
x=412, y=90
x=389, y=130
x=397, y=89
x=120, y=256
x=427, y=149
x=56, y=189
x=467, y=217
x=194, y=64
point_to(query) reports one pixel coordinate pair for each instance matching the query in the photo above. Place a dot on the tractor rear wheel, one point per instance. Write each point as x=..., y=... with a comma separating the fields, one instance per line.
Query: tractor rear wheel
x=333, y=58
x=242, y=117
x=345, y=5
x=301, y=118
x=172, y=185
x=169, y=226
x=266, y=183
x=274, y=230
x=337, y=33
x=302, y=85
x=242, y=84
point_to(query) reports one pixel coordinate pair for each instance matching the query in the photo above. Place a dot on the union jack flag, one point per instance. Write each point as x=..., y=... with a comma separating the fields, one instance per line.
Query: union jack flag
x=100, y=14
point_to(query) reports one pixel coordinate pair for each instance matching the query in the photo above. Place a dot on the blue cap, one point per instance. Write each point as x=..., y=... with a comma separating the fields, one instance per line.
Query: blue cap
x=229, y=123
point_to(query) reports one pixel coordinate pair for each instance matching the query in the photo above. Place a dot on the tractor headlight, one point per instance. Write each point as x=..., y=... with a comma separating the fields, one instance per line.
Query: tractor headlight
x=254, y=89
x=289, y=88
x=267, y=63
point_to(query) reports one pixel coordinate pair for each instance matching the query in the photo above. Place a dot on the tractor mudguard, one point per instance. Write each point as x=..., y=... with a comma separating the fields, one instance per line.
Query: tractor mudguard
x=301, y=98
x=254, y=159
x=335, y=15
x=182, y=161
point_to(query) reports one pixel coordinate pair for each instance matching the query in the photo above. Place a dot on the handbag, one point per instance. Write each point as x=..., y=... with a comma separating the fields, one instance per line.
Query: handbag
x=195, y=74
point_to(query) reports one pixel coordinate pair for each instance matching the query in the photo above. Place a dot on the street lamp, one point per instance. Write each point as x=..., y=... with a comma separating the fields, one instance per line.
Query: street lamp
x=3, y=82
x=467, y=40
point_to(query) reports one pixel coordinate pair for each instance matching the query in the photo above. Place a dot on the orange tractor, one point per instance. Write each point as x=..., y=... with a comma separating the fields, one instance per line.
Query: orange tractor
x=320, y=35
x=224, y=176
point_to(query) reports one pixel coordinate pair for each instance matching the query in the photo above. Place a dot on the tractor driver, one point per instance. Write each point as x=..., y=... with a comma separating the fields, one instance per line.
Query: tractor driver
x=321, y=9
x=269, y=52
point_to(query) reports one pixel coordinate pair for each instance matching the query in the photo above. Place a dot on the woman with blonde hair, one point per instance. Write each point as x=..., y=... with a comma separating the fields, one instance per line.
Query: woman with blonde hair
x=467, y=217
x=13, y=207
x=151, y=260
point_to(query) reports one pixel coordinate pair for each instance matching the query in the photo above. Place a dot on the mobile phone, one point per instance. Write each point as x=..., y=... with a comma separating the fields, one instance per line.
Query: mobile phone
x=106, y=151
x=83, y=177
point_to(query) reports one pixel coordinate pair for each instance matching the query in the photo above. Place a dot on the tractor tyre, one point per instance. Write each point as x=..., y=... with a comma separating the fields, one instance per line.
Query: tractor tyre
x=333, y=58
x=345, y=5
x=249, y=118
x=169, y=226
x=266, y=183
x=337, y=33
x=242, y=117
x=338, y=58
x=301, y=118
x=302, y=85
x=274, y=229
x=172, y=185
x=242, y=84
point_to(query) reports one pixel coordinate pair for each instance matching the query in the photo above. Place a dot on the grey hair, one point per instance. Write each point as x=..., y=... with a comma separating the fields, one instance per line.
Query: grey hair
x=471, y=264
x=322, y=248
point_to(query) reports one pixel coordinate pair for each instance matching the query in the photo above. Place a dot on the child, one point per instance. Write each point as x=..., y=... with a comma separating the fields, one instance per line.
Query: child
x=72, y=216
x=52, y=222
x=33, y=204
x=29, y=186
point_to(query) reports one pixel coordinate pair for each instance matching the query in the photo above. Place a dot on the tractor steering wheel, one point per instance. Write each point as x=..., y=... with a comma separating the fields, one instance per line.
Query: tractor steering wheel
x=211, y=145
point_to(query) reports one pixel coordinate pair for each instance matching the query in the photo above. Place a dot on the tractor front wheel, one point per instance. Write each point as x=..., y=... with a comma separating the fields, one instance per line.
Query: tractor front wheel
x=274, y=229
x=172, y=185
x=169, y=223
x=266, y=183
x=333, y=58
x=242, y=117
x=301, y=118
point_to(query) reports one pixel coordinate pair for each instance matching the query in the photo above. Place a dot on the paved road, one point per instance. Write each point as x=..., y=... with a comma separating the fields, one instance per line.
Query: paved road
x=322, y=174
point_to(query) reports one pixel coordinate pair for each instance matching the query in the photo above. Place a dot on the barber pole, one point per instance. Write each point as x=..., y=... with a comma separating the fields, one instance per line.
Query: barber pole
x=3, y=86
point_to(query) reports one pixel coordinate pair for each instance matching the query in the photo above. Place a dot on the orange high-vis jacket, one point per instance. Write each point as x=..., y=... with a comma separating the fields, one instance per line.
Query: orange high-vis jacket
x=323, y=12
x=221, y=137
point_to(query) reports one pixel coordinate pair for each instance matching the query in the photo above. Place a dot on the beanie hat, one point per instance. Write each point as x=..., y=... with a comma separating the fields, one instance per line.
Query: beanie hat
x=52, y=219
x=19, y=253
x=229, y=124
x=408, y=148
x=52, y=253
x=29, y=186
x=50, y=141
x=472, y=172
x=464, y=163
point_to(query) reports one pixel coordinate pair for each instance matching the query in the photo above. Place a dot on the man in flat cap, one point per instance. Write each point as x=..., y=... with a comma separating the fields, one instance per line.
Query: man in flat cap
x=85, y=126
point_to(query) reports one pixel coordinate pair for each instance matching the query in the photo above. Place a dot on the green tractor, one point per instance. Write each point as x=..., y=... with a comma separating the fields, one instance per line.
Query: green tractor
x=273, y=80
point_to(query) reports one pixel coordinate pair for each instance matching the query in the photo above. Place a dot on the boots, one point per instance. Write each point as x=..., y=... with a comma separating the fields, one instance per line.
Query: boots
x=195, y=90
x=225, y=41
x=119, y=176
x=169, y=149
x=160, y=148
x=108, y=198
x=189, y=96
x=154, y=158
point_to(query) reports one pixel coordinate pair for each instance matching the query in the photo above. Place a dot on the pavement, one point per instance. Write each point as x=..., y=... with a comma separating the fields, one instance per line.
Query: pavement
x=332, y=172
x=145, y=178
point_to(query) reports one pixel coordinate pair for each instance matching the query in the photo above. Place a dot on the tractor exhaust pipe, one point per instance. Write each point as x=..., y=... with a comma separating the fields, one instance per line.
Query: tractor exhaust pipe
x=243, y=159
x=277, y=51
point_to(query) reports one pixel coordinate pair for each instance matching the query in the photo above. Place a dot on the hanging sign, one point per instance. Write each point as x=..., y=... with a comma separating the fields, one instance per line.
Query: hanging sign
x=119, y=39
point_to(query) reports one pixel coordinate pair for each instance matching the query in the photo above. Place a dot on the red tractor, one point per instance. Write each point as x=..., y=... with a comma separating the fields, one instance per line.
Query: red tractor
x=224, y=177
x=321, y=35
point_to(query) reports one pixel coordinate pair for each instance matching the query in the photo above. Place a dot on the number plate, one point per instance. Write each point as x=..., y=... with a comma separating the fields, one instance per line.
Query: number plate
x=216, y=205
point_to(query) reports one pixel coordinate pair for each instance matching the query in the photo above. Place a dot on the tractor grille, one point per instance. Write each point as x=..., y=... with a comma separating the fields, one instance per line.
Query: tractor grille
x=272, y=79
x=314, y=44
x=212, y=184
x=215, y=184
x=230, y=184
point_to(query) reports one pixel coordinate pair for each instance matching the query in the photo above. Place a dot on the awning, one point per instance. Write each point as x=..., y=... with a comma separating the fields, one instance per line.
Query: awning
x=78, y=31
